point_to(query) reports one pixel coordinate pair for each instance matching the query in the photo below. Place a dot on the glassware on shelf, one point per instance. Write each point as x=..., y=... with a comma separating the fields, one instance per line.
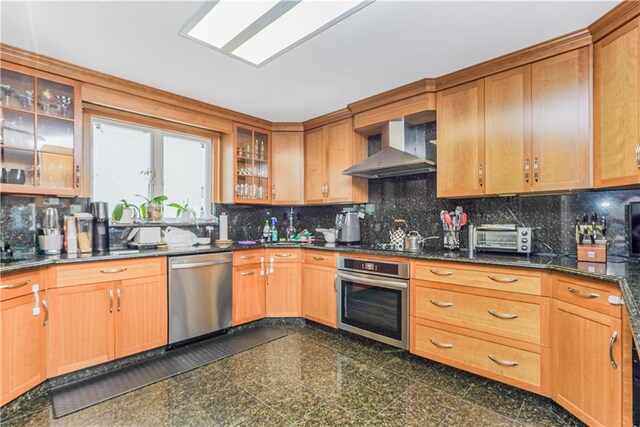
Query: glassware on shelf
x=65, y=102
x=7, y=91
x=17, y=89
x=17, y=166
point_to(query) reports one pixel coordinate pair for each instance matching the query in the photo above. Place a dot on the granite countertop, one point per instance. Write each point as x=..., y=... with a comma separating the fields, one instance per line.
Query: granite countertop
x=621, y=271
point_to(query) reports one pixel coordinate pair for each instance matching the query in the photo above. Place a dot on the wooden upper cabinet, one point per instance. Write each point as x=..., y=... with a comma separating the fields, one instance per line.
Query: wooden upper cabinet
x=560, y=106
x=460, y=115
x=508, y=131
x=328, y=151
x=41, y=132
x=617, y=107
x=287, y=168
x=314, y=166
x=251, y=165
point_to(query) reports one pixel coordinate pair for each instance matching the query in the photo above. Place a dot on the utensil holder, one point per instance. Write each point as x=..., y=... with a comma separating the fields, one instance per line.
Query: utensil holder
x=452, y=239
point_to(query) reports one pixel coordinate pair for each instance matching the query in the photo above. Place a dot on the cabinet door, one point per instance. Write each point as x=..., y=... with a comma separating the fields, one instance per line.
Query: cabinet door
x=314, y=166
x=460, y=155
x=339, y=151
x=617, y=107
x=508, y=131
x=248, y=298
x=319, y=294
x=81, y=326
x=23, y=349
x=560, y=121
x=584, y=380
x=288, y=168
x=283, y=290
x=141, y=315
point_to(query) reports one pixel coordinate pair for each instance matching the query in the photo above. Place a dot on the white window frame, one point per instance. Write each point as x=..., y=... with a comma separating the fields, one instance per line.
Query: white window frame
x=157, y=156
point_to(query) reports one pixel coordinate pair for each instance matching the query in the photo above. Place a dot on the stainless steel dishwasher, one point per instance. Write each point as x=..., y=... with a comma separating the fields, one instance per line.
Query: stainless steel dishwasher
x=199, y=296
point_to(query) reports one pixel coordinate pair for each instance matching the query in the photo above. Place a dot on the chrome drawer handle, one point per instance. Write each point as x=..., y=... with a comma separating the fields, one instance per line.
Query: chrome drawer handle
x=440, y=344
x=614, y=337
x=247, y=256
x=247, y=273
x=335, y=283
x=503, y=315
x=319, y=258
x=17, y=285
x=583, y=294
x=113, y=270
x=500, y=279
x=441, y=273
x=440, y=304
x=638, y=155
x=111, y=301
x=283, y=255
x=502, y=362
x=119, y=296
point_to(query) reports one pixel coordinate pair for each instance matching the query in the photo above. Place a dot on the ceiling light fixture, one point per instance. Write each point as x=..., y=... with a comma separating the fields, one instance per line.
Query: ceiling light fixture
x=257, y=32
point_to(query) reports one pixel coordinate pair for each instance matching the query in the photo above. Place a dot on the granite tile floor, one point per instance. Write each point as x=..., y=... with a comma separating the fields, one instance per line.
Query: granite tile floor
x=317, y=377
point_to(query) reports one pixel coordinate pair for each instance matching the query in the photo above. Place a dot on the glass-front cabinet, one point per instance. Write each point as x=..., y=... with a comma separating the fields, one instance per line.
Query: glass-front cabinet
x=40, y=126
x=252, y=159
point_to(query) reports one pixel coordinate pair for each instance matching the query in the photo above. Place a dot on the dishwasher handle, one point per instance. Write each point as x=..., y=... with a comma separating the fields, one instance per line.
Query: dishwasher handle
x=197, y=264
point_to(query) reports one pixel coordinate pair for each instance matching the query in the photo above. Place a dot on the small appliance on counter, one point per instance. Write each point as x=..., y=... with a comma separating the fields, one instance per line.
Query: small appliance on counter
x=84, y=224
x=100, y=212
x=145, y=237
x=507, y=238
x=50, y=237
x=348, y=227
x=590, y=238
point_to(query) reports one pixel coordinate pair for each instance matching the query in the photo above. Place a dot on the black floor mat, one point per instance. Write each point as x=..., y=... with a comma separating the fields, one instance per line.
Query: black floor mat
x=81, y=394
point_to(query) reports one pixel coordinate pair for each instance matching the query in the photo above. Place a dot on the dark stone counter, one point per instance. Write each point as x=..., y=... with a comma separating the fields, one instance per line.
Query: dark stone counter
x=621, y=271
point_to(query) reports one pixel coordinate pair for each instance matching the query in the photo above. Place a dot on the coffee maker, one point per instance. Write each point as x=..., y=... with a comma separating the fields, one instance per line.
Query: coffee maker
x=100, y=212
x=348, y=228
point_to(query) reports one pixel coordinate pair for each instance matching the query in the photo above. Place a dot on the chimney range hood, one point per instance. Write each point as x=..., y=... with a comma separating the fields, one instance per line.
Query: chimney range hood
x=392, y=160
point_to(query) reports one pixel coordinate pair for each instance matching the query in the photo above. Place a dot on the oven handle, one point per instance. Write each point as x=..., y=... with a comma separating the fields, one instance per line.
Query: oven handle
x=374, y=282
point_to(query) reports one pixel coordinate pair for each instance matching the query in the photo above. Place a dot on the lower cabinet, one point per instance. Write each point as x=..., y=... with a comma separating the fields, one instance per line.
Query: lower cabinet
x=96, y=323
x=23, y=352
x=319, y=293
x=283, y=290
x=248, y=295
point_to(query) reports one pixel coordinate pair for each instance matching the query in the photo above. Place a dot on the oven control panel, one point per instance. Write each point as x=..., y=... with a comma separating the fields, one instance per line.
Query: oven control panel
x=389, y=269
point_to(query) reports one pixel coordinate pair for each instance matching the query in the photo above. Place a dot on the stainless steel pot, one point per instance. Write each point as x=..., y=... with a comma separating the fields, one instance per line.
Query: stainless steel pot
x=414, y=242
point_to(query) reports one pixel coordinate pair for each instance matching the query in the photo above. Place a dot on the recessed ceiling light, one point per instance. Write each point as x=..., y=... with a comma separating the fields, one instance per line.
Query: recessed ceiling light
x=259, y=31
x=228, y=18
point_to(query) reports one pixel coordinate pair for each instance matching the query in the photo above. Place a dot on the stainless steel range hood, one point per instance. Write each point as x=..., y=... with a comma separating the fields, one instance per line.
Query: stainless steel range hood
x=392, y=160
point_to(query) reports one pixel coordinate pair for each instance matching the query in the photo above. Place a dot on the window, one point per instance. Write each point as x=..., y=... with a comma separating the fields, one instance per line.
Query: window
x=122, y=152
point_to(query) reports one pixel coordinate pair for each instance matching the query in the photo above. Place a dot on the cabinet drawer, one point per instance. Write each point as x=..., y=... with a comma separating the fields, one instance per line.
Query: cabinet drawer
x=480, y=277
x=497, y=361
x=321, y=258
x=21, y=283
x=508, y=318
x=248, y=257
x=108, y=271
x=284, y=255
x=587, y=293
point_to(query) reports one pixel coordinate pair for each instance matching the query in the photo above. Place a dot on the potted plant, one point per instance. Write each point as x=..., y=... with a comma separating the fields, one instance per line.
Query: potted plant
x=125, y=212
x=183, y=212
x=151, y=209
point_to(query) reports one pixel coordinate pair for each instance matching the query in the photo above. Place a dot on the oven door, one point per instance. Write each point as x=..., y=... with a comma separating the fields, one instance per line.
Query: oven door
x=375, y=307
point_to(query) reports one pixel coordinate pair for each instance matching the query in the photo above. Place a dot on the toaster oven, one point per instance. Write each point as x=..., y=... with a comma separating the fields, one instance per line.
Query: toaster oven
x=503, y=238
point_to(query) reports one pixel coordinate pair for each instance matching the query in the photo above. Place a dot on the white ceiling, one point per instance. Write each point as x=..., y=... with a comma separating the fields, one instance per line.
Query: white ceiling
x=385, y=45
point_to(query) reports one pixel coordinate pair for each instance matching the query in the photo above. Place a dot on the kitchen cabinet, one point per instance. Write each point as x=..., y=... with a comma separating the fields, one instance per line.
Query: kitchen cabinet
x=519, y=131
x=560, y=110
x=284, y=274
x=287, y=168
x=461, y=136
x=248, y=295
x=104, y=319
x=508, y=131
x=616, y=107
x=23, y=351
x=319, y=292
x=328, y=151
x=40, y=139
x=245, y=167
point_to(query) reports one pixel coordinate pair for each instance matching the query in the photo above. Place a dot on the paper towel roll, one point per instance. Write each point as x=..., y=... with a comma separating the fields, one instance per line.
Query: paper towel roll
x=224, y=227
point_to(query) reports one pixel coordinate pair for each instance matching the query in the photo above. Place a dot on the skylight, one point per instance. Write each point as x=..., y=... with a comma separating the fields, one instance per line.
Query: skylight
x=257, y=31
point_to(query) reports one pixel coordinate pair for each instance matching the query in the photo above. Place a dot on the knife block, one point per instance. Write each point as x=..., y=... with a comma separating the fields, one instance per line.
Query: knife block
x=592, y=253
